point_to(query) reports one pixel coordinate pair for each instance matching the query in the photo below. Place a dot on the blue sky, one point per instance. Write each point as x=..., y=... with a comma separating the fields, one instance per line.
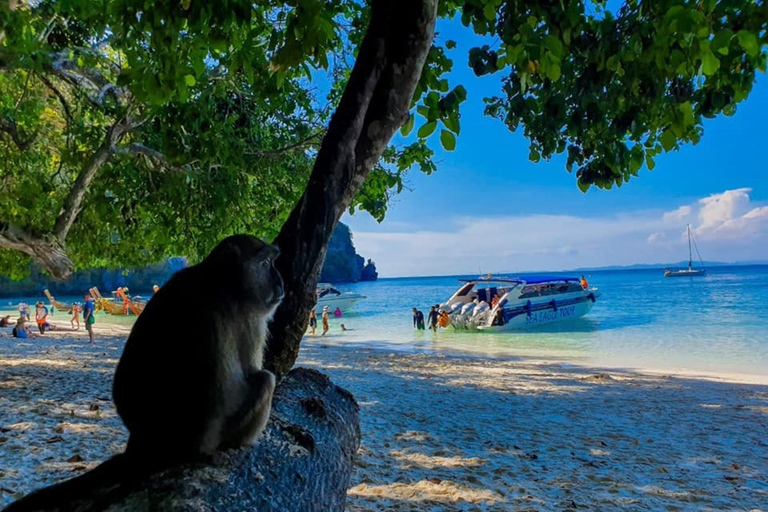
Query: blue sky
x=489, y=209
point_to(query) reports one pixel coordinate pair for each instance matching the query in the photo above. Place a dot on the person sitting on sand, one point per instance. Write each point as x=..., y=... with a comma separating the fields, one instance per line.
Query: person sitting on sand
x=22, y=330
x=6, y=321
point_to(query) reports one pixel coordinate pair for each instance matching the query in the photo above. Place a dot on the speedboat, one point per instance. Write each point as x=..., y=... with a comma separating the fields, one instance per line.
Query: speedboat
x=501, y=303
x=329, y=296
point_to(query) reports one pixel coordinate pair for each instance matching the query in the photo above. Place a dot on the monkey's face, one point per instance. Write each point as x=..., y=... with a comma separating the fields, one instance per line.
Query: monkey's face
x=264, y=284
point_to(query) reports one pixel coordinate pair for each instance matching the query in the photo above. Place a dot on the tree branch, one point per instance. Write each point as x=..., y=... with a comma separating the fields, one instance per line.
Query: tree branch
x=74, y=200
x=9, y=126
x=59, y=94
x=287, y=149
x=47, y=250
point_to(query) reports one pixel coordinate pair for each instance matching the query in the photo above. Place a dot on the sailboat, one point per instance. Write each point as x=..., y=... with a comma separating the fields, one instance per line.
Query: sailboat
x=690, y=271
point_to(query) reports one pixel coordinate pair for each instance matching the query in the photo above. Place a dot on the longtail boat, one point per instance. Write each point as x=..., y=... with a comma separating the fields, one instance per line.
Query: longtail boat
x=61, y=306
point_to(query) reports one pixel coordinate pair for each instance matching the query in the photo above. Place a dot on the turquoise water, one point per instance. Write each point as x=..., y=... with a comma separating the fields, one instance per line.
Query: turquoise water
x=714, y=324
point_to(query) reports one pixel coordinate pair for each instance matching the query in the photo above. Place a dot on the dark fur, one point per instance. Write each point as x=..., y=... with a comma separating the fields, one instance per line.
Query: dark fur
x=190, y=380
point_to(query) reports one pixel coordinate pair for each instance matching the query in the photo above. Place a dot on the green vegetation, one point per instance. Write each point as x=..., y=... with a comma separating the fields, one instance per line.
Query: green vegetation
x=134, y=130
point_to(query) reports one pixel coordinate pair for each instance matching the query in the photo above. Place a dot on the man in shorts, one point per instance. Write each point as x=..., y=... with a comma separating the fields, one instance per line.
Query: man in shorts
x=89, y=308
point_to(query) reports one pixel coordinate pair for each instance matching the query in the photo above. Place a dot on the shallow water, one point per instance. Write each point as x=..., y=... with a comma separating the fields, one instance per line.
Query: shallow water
x=712, y=324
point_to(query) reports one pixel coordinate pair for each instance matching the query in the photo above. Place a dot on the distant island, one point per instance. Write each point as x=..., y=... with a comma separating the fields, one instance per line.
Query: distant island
x=342, y=265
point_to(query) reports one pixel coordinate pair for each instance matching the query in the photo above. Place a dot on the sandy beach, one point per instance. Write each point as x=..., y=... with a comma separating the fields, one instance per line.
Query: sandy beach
x=440, y=433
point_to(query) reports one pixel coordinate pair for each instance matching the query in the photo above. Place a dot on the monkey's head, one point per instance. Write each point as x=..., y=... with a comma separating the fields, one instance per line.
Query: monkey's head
x=246, y=268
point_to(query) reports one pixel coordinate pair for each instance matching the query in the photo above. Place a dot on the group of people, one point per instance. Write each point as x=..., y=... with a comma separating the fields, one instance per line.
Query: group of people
x=436, y=317
x=325, y=319
x=22, y=330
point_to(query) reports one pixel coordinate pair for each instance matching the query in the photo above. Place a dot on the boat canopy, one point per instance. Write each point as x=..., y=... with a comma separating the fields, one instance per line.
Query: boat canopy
x=527, y=279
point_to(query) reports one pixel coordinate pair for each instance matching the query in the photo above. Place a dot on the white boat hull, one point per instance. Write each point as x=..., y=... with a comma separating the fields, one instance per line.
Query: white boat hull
x=542, y=317
x=343, y=302
x=685, y=273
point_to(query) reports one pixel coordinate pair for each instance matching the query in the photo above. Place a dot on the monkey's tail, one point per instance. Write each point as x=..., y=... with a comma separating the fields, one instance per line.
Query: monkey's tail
x=93, y=485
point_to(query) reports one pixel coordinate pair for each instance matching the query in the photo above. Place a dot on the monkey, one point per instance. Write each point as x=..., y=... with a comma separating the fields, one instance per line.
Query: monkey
x=190, y=380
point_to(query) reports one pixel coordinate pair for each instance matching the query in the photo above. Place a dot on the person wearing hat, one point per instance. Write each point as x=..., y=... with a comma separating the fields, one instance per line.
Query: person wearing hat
x=22, y=330
x=325, y=320
x=41, y=316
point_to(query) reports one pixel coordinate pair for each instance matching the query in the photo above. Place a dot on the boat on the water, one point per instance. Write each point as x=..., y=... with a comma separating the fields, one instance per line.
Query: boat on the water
x=329, y=296
x=57, y=304
x=690, y=271
x=508, y=303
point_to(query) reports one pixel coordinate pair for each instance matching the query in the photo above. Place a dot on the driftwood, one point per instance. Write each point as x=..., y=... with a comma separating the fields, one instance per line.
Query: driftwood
x=303, y=462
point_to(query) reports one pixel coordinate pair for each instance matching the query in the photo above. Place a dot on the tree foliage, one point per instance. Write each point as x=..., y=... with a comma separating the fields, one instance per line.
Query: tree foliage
x=133, y=130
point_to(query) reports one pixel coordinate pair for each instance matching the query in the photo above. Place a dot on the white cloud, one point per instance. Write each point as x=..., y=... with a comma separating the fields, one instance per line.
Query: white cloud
x=727, y=226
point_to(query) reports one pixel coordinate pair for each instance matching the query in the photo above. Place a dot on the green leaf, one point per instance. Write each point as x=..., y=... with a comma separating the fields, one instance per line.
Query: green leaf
x=553, y=72
x=448, y=140
x=408, y=126
x=489, y=11
x=450, y=44
x=189, y=80
x=649, y=162
x=709, y=63
x=427, y=129
x=721, y=41
x=554, y=45
x=748, y=41
x=668, y=140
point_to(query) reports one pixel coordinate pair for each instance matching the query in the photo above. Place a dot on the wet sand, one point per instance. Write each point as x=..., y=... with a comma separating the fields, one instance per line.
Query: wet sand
x=440, y=433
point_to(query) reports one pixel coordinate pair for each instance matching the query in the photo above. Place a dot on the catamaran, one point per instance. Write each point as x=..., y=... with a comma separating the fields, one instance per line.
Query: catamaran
x=690, y=271
x=507, y=303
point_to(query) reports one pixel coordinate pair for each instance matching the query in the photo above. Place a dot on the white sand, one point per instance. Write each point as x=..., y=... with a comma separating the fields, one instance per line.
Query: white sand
x=440, y=433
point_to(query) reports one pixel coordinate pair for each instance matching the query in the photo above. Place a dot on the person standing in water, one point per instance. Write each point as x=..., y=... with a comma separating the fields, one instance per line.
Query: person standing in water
x=418, y=319
x=312, y=321
x=433, y=318
x=325, y=320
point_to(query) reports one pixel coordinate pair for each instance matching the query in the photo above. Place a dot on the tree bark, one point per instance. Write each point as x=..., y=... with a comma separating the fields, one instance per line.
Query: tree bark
x=303, y=462
x=47, y=250
x=374, y=105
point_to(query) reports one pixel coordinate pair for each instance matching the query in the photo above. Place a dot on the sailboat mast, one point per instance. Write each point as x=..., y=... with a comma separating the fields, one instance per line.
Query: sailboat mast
x=690, y=255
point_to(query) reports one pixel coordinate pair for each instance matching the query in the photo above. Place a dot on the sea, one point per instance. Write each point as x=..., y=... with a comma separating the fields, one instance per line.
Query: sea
x=712, y=325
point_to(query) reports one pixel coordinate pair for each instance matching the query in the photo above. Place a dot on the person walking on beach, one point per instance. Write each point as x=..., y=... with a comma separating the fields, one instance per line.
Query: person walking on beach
x=325, y=320
x=88, y=316
x=418, y=319
x=312, y=321
x=24, y=310
x=41, y=316
x=76, y=309
x=433, y=318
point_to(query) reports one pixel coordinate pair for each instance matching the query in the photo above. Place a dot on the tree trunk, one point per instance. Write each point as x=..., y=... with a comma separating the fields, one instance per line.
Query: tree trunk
x=46, y=250
x=303, y=462
x=374, y=105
